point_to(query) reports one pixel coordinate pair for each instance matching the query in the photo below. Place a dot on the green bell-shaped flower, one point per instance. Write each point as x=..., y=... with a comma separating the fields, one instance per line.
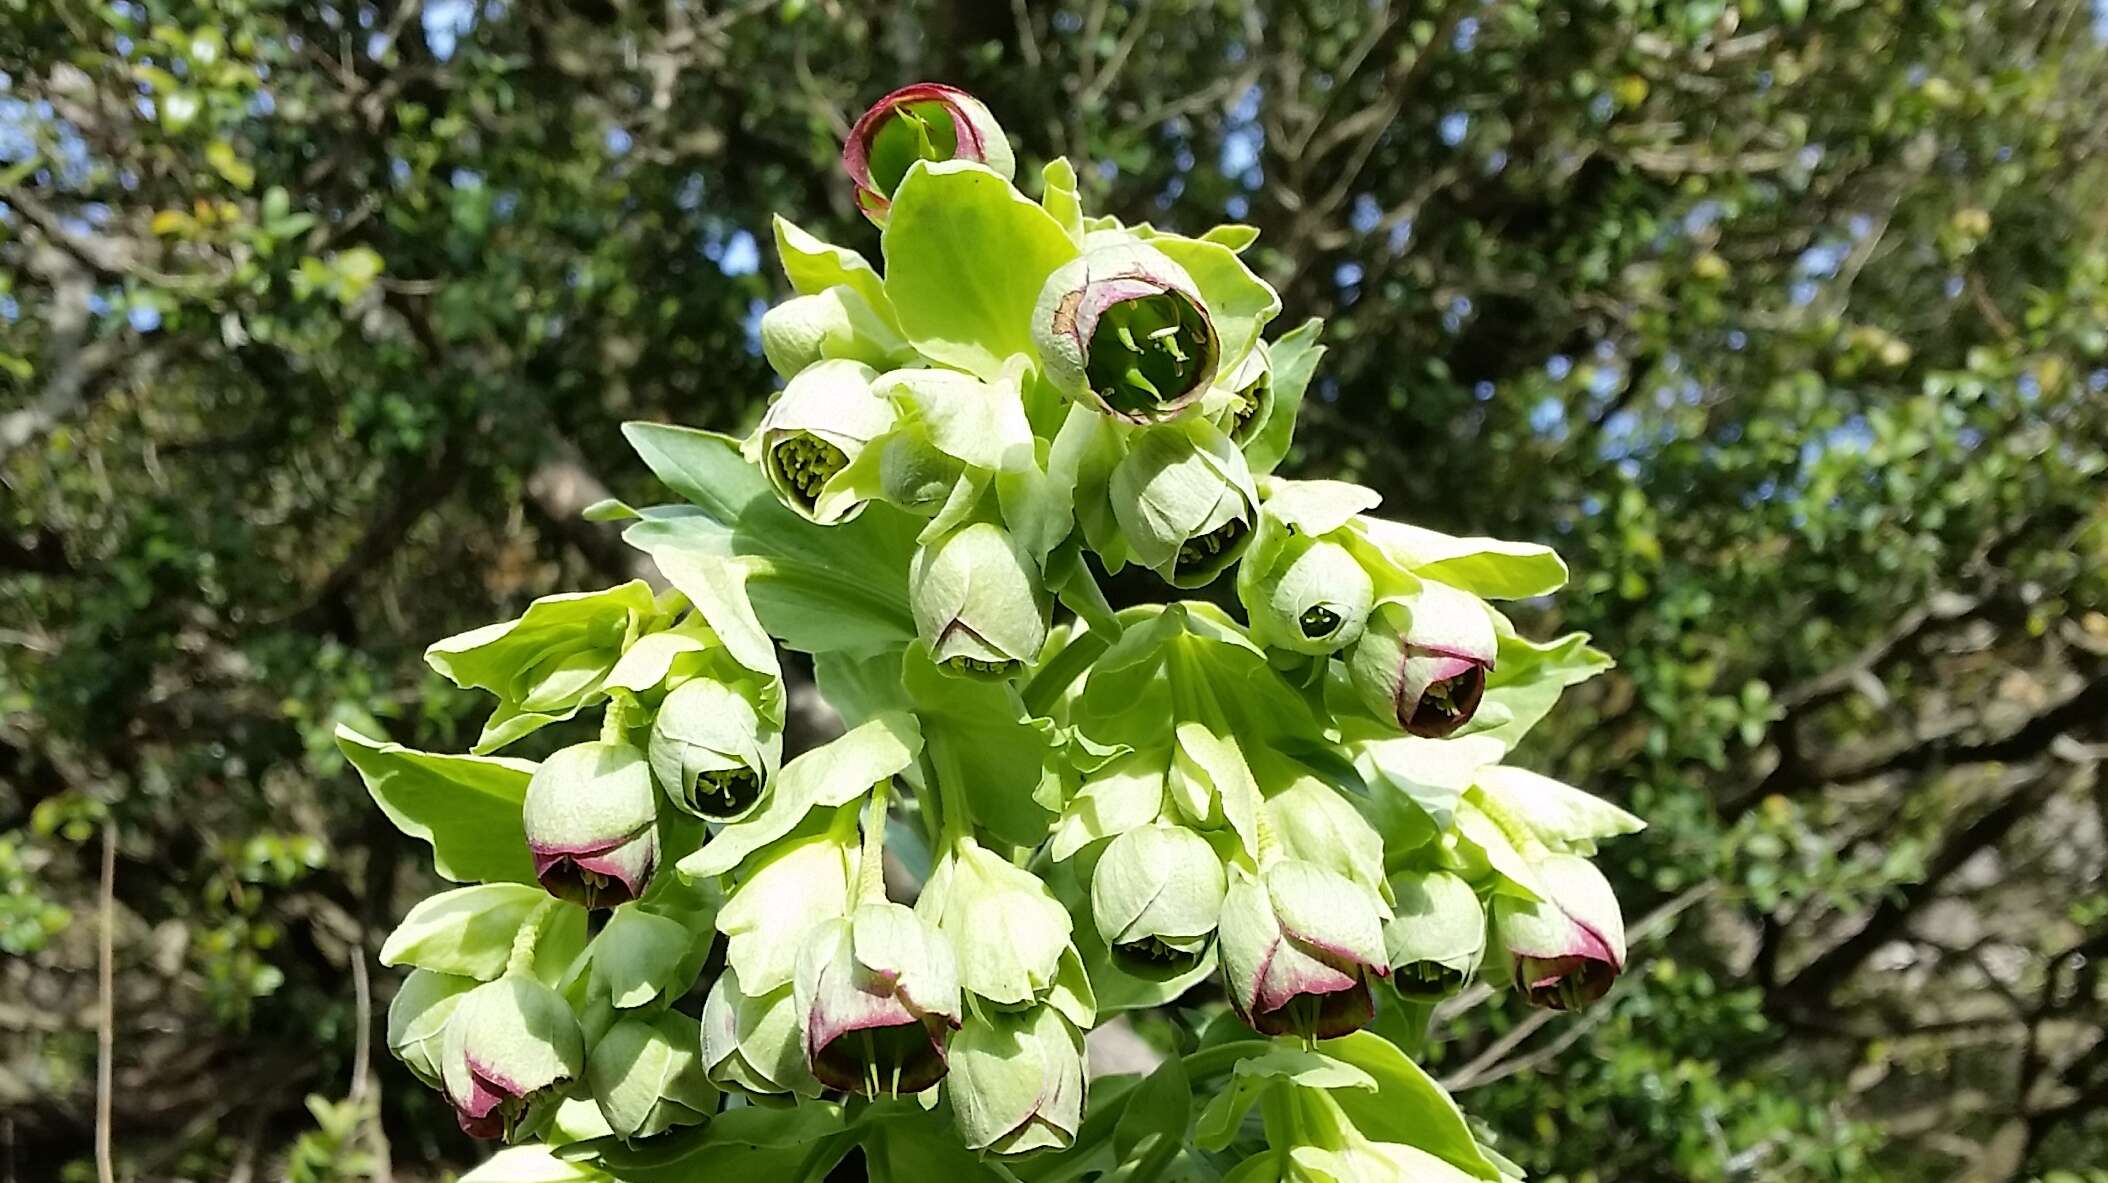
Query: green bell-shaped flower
x=1123, y=329
x=590, y=818
x=924, y=121
x=1315, y=599
x=1009, y=932
x=834, y=323
x=811, y=435
x=418, y=1017
x=1422, y=661
x=509, y=1045
x=1436, y=935
x=647, y=1076
x=713, y=750
x=878, y=998
x=1184, y=501
x=750, y=1042
x=978, y=602
x=1564, y=951
x=1017, y=1081
x=1299, y=945
x=1156, y=896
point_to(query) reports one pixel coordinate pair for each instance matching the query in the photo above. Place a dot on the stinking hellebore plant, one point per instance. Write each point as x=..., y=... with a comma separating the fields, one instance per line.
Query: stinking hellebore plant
x=674, y=954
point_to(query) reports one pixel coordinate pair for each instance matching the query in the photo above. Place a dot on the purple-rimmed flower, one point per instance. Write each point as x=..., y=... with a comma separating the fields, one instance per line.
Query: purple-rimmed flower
x=1123, y=329
x=508, y=1044
x=1422, y=661
x=878, y=997
x=1299, y=945
x=1566, y=949
x=923, y=121
x=590, y=817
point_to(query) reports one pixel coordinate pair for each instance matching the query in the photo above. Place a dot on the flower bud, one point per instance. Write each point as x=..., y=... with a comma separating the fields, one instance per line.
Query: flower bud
x=590, y=817
x=1008, y=930
x=914, y=475
x=712, y=751
x=418, y=1017
x=1566, y=949
x=1123, y=330
x=1251, y=395
x=750, y=1041
x=1156, y=896
x=647, y=1077
x=834, y=323
x=877, y=994
x=1185, y=502
x=925, y=121
x=509, y=1044
x=1299, y=944
x=978, y=602
x=1315, y=600
x=1017, y=1081
x=813, y=432
x=1421, y=662
x=1436, y=936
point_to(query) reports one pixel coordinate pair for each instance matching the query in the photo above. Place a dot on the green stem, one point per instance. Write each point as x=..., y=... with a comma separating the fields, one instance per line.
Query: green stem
x=949, y=782
x=521, y=960
x=614, y=721
x=871, y=867
x=1059, y=672
x=1214, y=1061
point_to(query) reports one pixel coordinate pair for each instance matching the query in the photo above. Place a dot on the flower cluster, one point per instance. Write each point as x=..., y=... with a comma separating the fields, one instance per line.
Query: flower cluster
x=1103, y=809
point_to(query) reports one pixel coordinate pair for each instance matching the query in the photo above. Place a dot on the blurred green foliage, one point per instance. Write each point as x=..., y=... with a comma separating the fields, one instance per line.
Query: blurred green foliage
x=1786, y=322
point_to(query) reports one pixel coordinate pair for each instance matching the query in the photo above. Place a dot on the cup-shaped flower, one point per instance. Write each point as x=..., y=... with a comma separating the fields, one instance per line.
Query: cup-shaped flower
x=509, y=1044
x=1250, y=391
x=1299, y=945
x=1008, y=930
x=1436, y=936
x=1565, y=949
x=1185, y=502
x=1017, y=1081
x=590, y=817
x=978, y=602
x=750, y=1041
x=1156, y=896
x=1315, y=599
x=712, y=749
x=924, y=121
x=914, y=475
x=1422, y=661
x=1123, y=329
x=813, y=432
x=647, y=1076
x=418, y=1017
x=833, y=323
x=878, y=996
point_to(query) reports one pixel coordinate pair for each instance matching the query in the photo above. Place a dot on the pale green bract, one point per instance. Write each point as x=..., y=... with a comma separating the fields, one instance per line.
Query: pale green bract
x=1100, y=807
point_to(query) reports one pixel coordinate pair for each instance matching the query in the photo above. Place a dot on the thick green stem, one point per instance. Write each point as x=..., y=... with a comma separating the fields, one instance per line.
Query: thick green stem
x=521, y=960
x=871, y=864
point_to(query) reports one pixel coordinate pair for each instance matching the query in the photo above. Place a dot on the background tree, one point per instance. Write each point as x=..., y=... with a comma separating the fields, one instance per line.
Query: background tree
x=1787, y=324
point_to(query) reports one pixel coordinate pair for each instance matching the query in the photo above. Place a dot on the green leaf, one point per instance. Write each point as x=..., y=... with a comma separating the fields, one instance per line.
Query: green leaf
x=466, y=807
x=966, y=255
x=813, y=265
x=1294, y=358
x=816, y=588
x=1528, y=677
x=1492, y=568
x=1406, y=1105
x=467, y=931
x=981, y=737
x=533, y=1163
x=832, y=774
x=1153, y=1124
x=1254, y=1075
x=1234, y=235
x=1058, y=196
x=638, y=957
x=1432, y=773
